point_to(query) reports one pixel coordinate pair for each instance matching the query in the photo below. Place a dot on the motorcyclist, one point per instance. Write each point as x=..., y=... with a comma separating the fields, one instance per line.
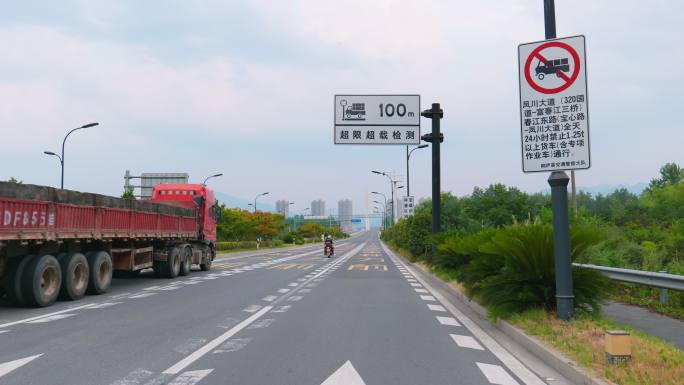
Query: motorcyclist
x=329, y=243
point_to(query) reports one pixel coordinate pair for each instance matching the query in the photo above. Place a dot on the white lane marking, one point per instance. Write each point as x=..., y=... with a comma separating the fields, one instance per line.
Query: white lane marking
x=152, y=288
x=302, y=279
x=345, y=375
x=269, y=298
x=50, y=318
x=434, y=307
x=199, y=353
x=466, y=342
x=45, y=315
x=104, y=305
x=189, y=282
x=208, y=278
x=496, y=374
x=412, y=280
x=260, y=324
x=135, y=377
x=251, y=308
x=295, y=298
x=3, y=331
x=190, y=345
x=283, y=291
x=293, y=284
x=12, y=365
x=191, y=378
x=282, y=309
x=305, y=291
x=427, y=298
x=143, y=295
x=449, y=321
x=416, y=285
x=233, y=345
x=502, y=354
x=170, y=287
x=420, y=290
x=119, y=296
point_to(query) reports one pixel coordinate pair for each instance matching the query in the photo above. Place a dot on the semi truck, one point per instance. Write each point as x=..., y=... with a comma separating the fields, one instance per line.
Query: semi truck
x=65, y=244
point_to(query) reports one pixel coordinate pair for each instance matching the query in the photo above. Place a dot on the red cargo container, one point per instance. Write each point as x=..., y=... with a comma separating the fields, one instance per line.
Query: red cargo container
x=63, y=243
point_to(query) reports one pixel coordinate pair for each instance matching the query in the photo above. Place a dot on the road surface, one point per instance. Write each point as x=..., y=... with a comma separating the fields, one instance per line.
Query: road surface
x=272, y=317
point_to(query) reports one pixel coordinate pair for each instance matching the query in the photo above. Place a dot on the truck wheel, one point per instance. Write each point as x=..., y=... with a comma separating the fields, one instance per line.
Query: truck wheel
x=41, y=281
x=100, y=276
x=187, y=261
x=75, y=275
x=13, y=283
x=173, y=263
x=205, y=264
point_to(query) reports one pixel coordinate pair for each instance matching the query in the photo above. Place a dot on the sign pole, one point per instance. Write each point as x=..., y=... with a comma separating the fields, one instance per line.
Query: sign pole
x=558, y=180
x=435, y=138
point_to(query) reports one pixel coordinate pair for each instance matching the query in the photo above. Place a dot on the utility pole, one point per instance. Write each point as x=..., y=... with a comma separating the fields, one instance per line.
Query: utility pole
x=435, y=137
x=558, y=180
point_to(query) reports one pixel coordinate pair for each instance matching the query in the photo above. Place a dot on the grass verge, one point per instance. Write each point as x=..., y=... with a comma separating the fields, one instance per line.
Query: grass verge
x=582, y=339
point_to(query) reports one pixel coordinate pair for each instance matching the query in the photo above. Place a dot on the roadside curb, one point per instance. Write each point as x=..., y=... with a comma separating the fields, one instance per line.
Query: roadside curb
x=556, y=360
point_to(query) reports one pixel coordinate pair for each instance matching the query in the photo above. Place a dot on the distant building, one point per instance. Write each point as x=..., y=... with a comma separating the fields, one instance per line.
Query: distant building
x=283, y=207
x=345, y=212
x=318, y=208
x=406, y=207
x=149, y=179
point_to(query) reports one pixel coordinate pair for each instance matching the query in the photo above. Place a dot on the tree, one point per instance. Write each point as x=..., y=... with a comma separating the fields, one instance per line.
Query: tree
x=14, y=180
x=128, y=194
x=670, y=174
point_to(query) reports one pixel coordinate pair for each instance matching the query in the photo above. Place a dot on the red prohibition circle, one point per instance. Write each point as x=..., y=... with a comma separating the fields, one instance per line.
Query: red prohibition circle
x=568, y=80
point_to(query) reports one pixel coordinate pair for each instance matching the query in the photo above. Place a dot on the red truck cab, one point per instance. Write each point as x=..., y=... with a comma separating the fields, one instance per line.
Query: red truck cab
x=192, y=196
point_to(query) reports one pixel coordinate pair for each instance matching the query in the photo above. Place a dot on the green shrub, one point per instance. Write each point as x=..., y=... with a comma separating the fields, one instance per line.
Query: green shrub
x=526, y=278
x=236, y=245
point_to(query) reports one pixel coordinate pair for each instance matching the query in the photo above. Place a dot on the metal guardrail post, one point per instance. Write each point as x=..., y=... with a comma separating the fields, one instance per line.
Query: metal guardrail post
x=663, y=293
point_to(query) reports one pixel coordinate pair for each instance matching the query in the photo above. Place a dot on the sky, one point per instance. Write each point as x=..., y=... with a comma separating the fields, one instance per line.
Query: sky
x=245, y=88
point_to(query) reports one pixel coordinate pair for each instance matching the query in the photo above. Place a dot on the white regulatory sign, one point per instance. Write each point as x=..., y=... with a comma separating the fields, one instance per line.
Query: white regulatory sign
x=377, y=119
x=554, y=114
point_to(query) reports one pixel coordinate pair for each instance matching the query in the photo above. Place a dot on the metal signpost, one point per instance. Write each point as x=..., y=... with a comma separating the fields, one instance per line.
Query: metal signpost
x=377, y=119
x=554, y=132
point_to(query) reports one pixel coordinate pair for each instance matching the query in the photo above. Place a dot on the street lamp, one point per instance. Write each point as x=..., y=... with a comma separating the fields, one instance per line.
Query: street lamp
x=209, y=177
x=61, y=158
x=408, y=155
x=384, y=218
x=392, y=183
x=255, y=199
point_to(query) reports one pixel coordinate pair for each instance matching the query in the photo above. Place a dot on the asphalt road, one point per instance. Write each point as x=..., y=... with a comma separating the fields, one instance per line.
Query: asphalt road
x=273, y=317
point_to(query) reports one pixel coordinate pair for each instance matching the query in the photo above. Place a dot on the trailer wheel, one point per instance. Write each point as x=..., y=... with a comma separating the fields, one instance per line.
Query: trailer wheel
x=172, y=266
x=187, y=261
x=75, y=276
x=41, y=281
x=100, y=277
x=13, y=283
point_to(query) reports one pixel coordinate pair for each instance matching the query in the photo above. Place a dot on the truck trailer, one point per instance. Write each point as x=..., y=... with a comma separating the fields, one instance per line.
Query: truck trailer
x=63, y=244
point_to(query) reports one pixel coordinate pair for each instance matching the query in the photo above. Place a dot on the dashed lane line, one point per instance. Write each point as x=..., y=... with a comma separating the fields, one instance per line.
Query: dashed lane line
x=213, y=344
x=502, y=354
x=466, y=342
x=496, y=374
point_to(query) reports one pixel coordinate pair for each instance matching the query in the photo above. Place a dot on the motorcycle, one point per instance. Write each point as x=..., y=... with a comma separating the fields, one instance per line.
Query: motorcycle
x=328, y=251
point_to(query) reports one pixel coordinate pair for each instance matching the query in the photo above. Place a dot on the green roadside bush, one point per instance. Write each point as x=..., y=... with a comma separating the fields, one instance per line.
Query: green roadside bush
x=511, y=269
x=236, y=245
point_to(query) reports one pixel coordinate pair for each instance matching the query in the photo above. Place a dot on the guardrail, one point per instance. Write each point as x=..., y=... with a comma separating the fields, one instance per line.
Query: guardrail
x=660, y=280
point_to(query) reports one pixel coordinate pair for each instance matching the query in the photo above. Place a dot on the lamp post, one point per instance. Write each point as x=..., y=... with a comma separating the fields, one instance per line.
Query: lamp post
x=61, y=158
x=385, y=198
x=408, y=155
x=255, y=200
x=392, y=181
x=209, y=177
